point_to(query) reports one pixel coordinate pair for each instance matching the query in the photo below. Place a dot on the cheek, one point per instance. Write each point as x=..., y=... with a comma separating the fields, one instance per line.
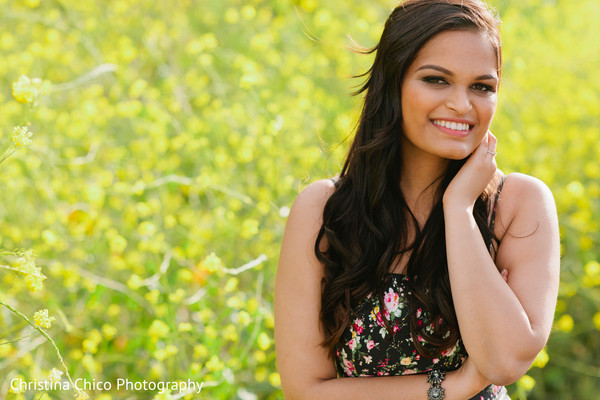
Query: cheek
x=417, y=104
x=489, y=108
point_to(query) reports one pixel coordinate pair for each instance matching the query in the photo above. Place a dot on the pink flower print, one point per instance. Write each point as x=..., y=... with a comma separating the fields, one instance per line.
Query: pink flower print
x=358, y=326
x=436, y=360
x=391, y=300
x=380, y=319
x=395, y=328
x=352, y=344
x=419, y=312
x=370, y=344
x=348, y=367
x=383, y=363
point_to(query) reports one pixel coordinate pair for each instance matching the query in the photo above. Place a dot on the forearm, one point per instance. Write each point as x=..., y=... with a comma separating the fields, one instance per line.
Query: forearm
x=457, y=386
x=493, y=324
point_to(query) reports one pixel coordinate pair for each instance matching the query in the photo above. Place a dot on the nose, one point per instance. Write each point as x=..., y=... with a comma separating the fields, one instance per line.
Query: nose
x=459, y=101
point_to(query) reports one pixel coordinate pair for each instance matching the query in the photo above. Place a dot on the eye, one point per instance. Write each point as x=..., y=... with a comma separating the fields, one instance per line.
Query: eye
x=482, y=87
x=435, y=80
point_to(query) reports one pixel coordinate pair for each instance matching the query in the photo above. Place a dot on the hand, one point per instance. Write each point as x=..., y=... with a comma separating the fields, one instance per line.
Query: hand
x=474, y=176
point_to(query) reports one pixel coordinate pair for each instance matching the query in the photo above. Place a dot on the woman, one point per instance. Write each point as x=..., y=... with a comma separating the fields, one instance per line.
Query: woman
x=421, y=261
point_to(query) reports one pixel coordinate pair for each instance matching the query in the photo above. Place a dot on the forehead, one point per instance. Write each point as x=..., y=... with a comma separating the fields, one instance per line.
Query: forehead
x=462, y=51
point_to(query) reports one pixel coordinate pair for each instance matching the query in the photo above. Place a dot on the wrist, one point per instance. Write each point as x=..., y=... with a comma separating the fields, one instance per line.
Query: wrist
x=454, y=207
x=461, y=384
x=455, y=201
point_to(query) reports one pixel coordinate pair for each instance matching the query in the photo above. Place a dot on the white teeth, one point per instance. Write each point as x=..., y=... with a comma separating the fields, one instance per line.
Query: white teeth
x=457, y=126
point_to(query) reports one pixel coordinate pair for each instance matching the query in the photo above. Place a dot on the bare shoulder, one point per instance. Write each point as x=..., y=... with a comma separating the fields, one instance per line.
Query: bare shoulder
x=309, y=204
x=303, y=226
x=526, y=184
x=525, y=201
x=522, y=190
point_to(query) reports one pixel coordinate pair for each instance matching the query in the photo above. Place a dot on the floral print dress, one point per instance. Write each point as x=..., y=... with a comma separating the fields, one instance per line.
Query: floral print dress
x=366, y=350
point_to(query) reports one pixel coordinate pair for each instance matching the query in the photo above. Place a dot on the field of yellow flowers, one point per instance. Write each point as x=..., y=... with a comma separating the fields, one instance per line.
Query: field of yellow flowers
x=150, y=151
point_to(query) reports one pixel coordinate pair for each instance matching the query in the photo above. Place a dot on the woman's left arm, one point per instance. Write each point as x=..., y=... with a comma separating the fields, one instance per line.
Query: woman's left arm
x=504, y=324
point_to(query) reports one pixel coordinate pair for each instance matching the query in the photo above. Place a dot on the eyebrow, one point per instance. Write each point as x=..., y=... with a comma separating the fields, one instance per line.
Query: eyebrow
x=450, y=73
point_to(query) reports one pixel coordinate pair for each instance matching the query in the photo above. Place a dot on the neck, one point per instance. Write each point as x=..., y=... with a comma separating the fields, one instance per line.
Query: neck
x=420, y=179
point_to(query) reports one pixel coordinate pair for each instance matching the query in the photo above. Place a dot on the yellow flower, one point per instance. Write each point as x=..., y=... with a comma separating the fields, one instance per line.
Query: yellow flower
x=33, y=275
x=526, y=382
x=177, y=296
x=214, y=364
x=565, y=323
x=118, y=244
x=81, y=395
x=92, y=341
x=162, y=354
x=230, y=333
x=23, y=90
x=32, y=3
x=42, y=319
x=212, y=263
x=541, y=359
x=21, y=136
x=55, y=375
x=274, y=379
x=109, y=331
x=28, y=91
x=200, y=351
x=152, y=296
x=264, y=341
x=596, y=320
x=158, y=329
x=184, y=327
x=35, y=281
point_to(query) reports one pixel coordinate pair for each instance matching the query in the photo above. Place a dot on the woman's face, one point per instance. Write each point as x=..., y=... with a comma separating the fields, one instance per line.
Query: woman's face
x=449, y=95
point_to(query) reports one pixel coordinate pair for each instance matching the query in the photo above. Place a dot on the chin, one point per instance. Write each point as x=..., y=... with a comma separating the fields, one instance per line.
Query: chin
x=458, y=155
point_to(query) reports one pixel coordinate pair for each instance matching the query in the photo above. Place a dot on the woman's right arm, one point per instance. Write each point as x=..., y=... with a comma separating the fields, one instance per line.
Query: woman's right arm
x=306, y=370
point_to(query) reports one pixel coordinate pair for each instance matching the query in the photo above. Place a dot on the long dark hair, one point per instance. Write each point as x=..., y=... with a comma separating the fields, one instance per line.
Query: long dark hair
x=366, y=219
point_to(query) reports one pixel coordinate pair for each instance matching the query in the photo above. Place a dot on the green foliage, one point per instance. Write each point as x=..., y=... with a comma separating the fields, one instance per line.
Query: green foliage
x=175, y=135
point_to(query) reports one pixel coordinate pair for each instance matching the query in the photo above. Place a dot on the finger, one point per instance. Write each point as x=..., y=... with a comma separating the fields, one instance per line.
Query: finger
x=492, y=143
x=482, y=146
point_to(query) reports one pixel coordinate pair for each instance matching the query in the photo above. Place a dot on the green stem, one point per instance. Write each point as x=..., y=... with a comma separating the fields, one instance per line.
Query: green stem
x=6, y=155
x=16, y=340
x=44, y=334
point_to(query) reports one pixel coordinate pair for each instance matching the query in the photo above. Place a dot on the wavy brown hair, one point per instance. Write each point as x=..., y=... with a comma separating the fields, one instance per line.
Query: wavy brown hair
x=366, y=220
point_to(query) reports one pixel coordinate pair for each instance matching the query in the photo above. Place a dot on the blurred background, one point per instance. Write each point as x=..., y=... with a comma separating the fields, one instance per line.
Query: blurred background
x=170, y=139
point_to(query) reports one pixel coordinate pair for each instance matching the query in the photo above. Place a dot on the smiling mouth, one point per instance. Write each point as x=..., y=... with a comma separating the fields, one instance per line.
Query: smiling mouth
x=455, y=126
